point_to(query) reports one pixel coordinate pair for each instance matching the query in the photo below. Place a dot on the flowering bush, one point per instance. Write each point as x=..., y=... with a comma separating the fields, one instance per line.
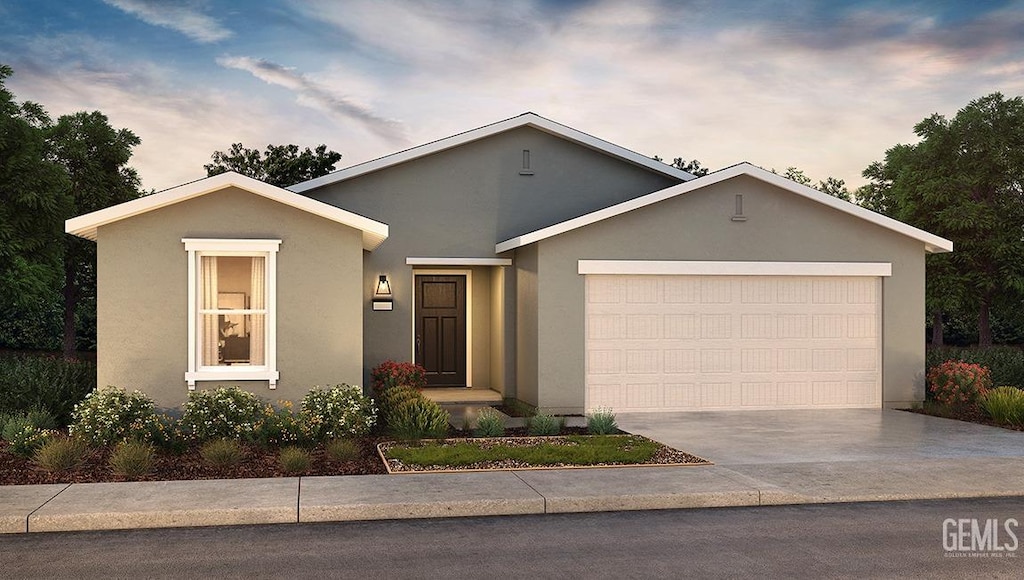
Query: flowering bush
x=393, y=374
x=112, y=415
x=337, y=411
x=959, y=384
x=280, y=425
x=226, y=412
x=25, y=438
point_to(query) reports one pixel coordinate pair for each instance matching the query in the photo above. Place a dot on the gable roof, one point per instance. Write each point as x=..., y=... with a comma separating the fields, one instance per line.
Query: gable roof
x=933, y=244
x=525, y=120
x=85, y=226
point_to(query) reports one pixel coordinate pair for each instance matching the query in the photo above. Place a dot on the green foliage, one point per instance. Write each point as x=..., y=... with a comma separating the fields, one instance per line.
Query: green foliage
x=962, y=181
x=225, y=412
x=337, y=411
x=1005, y=363
x=111, y=415
x=390, y=374
x=959, y=384
x=393, y=398
x=60, y=453
x=489, y=423
x=602, y=422
x=692, y=167
x=24, y=437
x=294, y=460
x=544, y=424
x=572, y=450
x=1005, y=405
x=342, y=450
x=280, y=425
x=132, y=458
x=280, y=165
x=42, y=419
x=46, y=383
x=221, y=453
x=418, y=419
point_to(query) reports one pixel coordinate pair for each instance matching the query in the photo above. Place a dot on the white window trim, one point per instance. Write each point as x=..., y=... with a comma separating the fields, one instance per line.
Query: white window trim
x=458, y=261
x=682, y=268
x=197, y=247
x=469, y=314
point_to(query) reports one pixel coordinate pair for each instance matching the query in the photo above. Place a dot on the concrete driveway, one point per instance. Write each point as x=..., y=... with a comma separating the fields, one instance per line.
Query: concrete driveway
x=798, y=436
x=846, y=455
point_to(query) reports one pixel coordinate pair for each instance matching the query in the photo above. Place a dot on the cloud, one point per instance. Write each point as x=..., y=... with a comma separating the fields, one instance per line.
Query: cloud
x=176, y=16
x=318, y=96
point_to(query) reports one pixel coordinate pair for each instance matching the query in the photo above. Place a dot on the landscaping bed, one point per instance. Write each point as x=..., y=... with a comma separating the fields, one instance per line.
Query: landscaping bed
x=551, y=452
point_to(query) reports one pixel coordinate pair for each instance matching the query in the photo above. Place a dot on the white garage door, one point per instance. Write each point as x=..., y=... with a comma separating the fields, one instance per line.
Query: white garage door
x=664, y=342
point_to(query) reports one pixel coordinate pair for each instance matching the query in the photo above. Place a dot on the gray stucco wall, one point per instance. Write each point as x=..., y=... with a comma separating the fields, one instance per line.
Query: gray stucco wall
x=142, y=305
x=461, y=202
x=781, y=226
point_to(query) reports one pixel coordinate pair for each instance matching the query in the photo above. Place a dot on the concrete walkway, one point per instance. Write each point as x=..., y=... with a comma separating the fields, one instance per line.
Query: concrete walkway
x=762, y=458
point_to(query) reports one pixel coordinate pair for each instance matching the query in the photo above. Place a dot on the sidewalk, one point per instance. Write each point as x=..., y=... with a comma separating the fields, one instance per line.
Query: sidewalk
x=102, y=506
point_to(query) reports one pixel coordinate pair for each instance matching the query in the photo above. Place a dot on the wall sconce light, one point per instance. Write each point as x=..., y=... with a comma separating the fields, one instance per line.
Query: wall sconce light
x=382, y=298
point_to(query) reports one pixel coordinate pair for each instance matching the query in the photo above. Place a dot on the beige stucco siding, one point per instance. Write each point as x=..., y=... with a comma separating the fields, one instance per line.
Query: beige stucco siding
x=781, y=226
x=143, y=295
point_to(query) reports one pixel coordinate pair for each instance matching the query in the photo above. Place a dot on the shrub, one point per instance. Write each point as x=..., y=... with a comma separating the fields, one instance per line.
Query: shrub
x=1005, y=405
x=602, y=422
x=221, y=453
x=60, y=453
x=1006, y=363
x=393, y=398
x=390, y=374
x=132, y=458
x=419, y=418
x=42, y=419
x=111, y=415
x=342, y=450
x=294, y=460
x=225, y=412
x=543, y=424
x=489, y=423
x=45, y=382
x=280, y=425
x=165, y=434
x=337, y=411
x=958, y=384
x=24, y=437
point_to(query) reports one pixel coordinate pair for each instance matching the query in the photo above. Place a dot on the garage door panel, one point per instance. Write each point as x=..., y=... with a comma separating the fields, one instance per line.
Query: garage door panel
x=721, y=342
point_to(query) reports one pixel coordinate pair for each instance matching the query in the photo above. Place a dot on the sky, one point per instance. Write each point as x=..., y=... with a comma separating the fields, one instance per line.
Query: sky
x=823, y=86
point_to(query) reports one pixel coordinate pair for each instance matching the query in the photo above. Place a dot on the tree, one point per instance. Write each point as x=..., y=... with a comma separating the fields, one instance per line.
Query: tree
x=95, y=157
x=831, y=185
x=31, y=213
x=692, y=167
x=964, y=181
x=280, y=165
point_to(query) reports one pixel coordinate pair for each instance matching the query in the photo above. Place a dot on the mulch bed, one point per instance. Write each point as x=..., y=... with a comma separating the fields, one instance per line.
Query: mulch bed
x=257, y=462
x=971, y=414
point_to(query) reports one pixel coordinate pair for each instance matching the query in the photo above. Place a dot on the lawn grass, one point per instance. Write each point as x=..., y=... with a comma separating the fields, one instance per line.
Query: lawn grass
x=569, y=450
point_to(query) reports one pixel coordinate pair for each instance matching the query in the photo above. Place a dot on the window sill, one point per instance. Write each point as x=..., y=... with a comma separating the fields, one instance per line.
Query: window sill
x=232, y=374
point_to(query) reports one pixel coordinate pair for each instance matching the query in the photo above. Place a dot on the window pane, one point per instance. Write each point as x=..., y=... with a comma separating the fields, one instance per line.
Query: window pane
x=233, y=339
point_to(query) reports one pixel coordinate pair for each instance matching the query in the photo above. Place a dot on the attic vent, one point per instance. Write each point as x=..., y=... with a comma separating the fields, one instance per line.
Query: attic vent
x=526, y=170
x=738, y=216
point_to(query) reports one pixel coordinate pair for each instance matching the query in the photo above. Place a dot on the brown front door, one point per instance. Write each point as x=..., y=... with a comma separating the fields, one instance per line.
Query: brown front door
x=441, y=329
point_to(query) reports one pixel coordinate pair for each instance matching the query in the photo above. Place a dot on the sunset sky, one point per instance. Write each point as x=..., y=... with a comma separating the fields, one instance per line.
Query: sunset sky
x=824, y=86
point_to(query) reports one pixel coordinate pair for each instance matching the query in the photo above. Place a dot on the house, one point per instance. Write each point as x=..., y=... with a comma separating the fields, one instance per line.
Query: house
x=524, y=257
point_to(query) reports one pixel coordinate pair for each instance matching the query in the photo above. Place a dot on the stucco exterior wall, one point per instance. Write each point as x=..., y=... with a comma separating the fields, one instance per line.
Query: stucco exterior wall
x=459, y=203
x=143, y=296
x=527, y=309
x=780, y=226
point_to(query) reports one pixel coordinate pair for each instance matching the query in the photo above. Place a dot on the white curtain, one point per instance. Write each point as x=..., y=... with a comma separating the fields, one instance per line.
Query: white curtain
x=211, y=328
x=258, y=332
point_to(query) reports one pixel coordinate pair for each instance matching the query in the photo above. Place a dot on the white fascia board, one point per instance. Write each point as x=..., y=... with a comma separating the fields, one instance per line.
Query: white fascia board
x=684, y=268
x=458, y=261
x=524, y=120
x=85, y=226
x=933, y=244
